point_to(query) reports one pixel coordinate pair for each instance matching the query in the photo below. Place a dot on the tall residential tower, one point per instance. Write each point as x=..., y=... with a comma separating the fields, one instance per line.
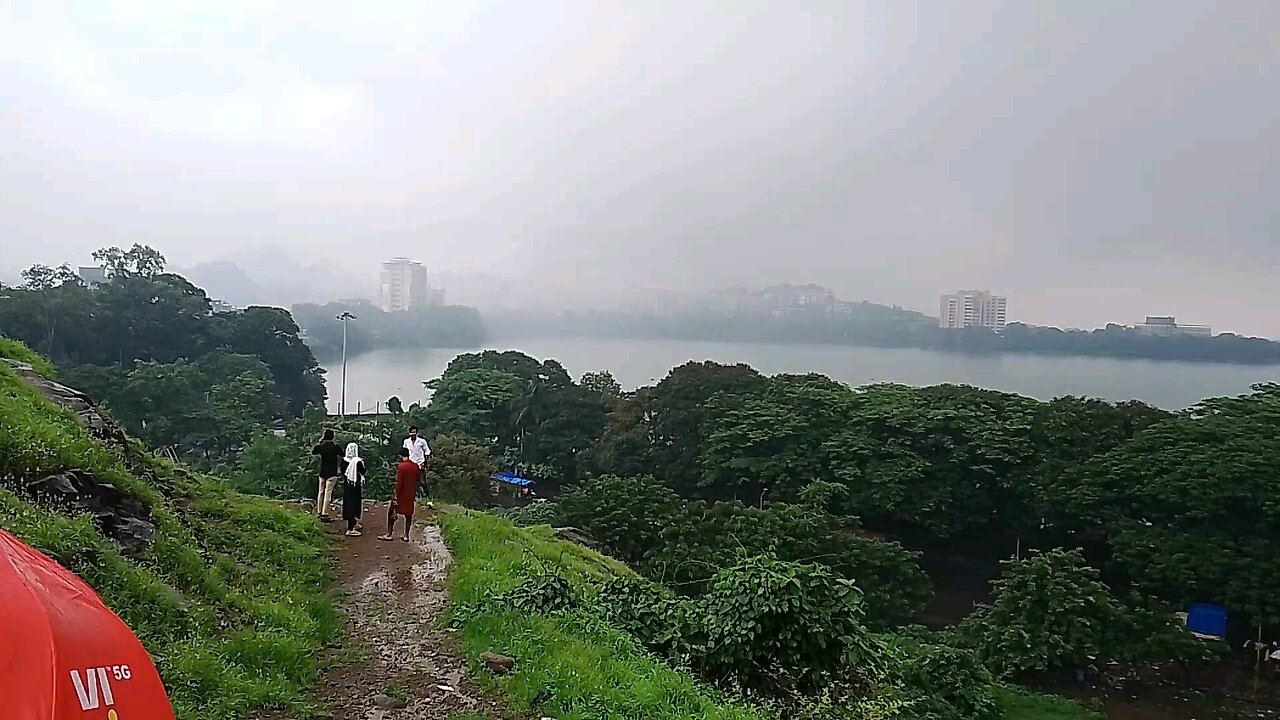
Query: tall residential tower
x=972, y=308
x=404, y=285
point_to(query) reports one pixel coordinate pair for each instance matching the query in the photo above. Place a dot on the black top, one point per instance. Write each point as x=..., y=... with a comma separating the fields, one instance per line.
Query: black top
x=330, y=454
x=359, y=468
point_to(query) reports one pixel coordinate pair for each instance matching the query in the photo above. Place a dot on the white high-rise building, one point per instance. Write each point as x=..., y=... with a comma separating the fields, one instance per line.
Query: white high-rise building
x=972, y=308
x=404, y=285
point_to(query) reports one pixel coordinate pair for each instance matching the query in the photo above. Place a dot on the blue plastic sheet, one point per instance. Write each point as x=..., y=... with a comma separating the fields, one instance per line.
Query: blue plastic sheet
x=512, y=479
x=1206, y=619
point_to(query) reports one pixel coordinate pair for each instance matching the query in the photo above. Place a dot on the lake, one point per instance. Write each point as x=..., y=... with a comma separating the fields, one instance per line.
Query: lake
x=375, y=376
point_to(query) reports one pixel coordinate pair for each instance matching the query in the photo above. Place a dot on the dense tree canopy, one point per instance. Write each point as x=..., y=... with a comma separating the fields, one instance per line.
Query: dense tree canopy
x=1177, y=505
x=530, y=411
x=145, y=315
x=210, y=407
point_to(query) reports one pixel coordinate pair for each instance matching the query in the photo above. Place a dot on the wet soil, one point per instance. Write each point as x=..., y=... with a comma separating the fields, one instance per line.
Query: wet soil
x=393, y=601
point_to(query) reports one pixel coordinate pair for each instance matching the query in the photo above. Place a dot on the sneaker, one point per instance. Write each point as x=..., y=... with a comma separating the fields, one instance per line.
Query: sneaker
x=354, y=533
x=385, y=537
x=405, y=538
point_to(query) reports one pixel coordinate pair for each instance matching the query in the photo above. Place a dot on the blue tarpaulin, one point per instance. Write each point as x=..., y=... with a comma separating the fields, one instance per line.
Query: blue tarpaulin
x=512, y=479
x=1206, y=619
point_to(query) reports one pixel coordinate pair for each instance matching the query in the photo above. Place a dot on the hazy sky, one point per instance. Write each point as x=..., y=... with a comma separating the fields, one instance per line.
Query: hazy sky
x=1095, y=160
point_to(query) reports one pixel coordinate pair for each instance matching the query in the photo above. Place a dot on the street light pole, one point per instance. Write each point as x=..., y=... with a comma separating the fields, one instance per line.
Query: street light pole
x=342, y=402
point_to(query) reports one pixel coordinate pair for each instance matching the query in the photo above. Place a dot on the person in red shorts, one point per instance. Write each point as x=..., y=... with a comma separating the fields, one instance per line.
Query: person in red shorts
x=407, y=474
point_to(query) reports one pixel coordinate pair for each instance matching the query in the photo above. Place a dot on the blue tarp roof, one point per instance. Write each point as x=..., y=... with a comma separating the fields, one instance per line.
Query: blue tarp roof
x=512, y=479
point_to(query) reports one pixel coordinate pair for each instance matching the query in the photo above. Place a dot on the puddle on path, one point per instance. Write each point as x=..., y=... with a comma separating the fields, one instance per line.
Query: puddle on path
x=396, y=611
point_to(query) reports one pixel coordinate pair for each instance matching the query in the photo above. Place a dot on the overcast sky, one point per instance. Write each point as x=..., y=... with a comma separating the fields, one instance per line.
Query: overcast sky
x=1095, y=160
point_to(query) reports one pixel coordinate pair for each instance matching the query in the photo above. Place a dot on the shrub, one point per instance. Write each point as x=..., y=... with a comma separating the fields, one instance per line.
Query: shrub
x=943, y=682
x=538, y=513
x=657, y=618
x=1050, y=611
x=545, y=593
x=774, y=625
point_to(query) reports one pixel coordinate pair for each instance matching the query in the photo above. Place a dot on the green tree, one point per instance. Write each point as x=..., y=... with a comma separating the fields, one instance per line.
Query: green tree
x=271, y=335
x=1186, y=510
x=660, y=430
x=603, y=384
x=461, y=470
x=42, y=277
x=1049, y=611
x=476, y=402
x=138, y=260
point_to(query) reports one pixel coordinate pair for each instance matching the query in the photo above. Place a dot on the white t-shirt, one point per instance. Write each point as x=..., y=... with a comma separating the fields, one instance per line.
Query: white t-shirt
x=418, y=450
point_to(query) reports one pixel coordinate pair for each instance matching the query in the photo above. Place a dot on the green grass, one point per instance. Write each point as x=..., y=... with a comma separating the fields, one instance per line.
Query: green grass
x=230, y=598
x=14, y=350
x=570, y=667
x=1024, y=705
x=395, y=691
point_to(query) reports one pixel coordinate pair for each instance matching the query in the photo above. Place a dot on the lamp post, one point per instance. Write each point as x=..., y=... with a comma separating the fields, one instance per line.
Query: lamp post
x=342, y=402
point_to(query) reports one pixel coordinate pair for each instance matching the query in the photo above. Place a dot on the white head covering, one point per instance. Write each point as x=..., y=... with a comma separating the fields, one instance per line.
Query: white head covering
x=352, y=456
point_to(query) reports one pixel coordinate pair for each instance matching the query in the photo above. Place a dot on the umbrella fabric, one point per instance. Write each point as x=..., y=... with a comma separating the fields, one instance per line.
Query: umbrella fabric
x=63, y=654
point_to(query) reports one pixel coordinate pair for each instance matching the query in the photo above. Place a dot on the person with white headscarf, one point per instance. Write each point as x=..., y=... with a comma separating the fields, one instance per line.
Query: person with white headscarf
x=352, y=488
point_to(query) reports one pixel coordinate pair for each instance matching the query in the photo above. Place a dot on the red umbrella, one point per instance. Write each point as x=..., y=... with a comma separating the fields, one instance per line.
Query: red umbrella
x=63, y=653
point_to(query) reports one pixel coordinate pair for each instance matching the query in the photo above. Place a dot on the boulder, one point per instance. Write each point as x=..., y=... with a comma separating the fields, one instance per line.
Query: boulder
x=574, y=535
x=498, y=663
x=120, y=517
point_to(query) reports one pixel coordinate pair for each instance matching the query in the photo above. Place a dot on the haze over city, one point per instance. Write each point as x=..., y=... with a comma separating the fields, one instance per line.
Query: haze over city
x=1095, y=162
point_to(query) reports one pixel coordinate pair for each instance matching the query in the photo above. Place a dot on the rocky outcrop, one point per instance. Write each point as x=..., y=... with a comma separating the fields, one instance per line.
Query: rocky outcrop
x=574, y=535
x=71, y=399
x=120, y=517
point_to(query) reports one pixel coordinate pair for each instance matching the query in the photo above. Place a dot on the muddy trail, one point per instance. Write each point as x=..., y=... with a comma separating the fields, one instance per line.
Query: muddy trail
x=397, y=661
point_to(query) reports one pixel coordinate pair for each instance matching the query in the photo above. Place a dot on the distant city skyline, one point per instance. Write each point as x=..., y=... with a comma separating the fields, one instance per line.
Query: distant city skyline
x=280, y=285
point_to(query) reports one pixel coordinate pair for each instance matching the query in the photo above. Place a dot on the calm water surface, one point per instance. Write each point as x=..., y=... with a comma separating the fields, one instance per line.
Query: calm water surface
x=373, y=377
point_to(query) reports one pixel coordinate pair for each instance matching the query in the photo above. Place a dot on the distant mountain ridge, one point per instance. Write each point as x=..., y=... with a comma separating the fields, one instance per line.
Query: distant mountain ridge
x=274, y=277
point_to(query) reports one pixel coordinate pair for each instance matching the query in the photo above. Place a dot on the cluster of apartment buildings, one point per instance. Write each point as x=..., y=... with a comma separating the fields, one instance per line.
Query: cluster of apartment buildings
x=404, y=285
x=982, y=308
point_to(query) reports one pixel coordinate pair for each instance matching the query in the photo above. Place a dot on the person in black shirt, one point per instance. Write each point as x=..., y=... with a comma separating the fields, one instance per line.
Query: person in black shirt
x=330, y=456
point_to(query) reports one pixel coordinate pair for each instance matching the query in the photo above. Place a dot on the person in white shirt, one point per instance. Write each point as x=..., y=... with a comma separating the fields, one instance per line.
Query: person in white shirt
x=419, y=454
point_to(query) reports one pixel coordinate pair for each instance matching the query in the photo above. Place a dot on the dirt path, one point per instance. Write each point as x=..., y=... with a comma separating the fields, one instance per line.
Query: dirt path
x=393, y=600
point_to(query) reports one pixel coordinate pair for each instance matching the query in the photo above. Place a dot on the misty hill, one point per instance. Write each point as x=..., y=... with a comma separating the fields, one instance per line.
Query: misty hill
x=225, y=591
x=811, y=314
x=271, y=276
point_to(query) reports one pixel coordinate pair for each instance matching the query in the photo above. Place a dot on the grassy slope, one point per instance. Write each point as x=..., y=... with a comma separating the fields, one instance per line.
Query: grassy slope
x=587, y=670
x=229, y=599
